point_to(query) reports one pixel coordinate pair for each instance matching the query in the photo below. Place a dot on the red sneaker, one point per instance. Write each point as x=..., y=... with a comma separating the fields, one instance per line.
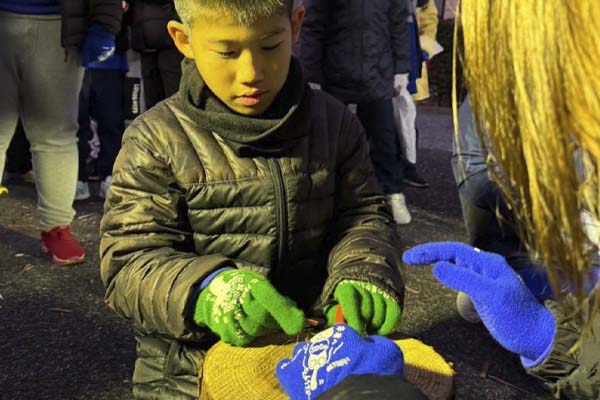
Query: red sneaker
x=63, y=247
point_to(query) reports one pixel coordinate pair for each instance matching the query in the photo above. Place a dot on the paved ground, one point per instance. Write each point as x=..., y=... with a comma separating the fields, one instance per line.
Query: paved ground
x=59, y=341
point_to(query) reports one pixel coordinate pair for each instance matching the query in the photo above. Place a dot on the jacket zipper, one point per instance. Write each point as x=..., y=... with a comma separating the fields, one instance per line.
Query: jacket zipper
x=281, y=210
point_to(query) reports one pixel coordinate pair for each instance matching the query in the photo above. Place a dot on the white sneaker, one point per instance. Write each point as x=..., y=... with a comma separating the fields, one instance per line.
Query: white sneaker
x=82, y=192
x=399, y=209
x=104, y=186
x=466, y=309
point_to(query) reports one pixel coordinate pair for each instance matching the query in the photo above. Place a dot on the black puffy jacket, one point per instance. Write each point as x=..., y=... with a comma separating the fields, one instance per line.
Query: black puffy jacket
x=77, y=15
x=353, y=48
x=149, y=24
x=196, y=187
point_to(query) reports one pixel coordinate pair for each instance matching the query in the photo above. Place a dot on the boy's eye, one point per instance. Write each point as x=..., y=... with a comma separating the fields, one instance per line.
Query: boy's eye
x=269, y=48
x=225, y=54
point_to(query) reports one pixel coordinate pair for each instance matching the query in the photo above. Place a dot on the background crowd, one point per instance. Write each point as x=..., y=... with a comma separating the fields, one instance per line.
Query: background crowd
x=68, y=141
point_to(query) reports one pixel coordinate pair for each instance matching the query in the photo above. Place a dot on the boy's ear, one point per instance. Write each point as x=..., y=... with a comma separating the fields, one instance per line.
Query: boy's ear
x=297, y=18
x=180, y=37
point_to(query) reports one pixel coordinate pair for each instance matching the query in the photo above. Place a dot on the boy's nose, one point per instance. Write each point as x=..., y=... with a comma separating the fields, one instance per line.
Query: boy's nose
x=251, y=70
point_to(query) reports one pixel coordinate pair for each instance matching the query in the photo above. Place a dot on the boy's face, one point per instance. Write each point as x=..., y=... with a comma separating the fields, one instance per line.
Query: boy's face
x=244, y=66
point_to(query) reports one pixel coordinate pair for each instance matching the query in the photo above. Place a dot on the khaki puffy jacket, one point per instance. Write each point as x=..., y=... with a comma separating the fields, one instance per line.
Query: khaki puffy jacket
x=184, y=202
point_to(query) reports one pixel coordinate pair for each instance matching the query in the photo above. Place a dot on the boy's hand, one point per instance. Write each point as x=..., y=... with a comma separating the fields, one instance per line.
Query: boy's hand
x=367, y=308
x=240, y=306
x=332, y=355
x=508, y=309
x=98, y=46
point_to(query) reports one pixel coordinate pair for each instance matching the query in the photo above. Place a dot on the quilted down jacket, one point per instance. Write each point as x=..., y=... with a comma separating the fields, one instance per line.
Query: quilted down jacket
x=292, y=196
x=353, y=48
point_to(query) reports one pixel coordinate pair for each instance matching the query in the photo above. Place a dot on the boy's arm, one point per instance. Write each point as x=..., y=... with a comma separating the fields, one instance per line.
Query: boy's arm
x=400, y=38
x=313, y=39
x=148, y=266
x=365, y=240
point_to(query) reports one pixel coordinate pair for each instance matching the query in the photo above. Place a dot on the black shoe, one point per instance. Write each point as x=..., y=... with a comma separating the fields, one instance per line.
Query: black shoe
x=415, y=180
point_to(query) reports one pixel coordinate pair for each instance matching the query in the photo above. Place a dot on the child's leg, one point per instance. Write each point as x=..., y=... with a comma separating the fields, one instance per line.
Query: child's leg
x=153, y=90
x=108, y=87
x=13, y=41
x=84, y=133
x=50, y=89
x=377, y=118
x=169, y=65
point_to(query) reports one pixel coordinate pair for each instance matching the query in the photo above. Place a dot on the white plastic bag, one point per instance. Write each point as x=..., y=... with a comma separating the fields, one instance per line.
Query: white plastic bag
x=405, y=115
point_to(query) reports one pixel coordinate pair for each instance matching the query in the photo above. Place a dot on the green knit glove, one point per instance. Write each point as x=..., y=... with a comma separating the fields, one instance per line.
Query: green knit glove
x=240, y=306
x=366, y=307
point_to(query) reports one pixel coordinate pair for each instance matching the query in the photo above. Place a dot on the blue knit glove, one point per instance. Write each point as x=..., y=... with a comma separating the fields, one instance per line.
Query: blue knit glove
x=510, y=312
x=99, y=45
x=333, y=354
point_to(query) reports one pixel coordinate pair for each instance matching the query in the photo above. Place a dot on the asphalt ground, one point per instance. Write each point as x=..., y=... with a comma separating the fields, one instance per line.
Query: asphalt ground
x=59, y=341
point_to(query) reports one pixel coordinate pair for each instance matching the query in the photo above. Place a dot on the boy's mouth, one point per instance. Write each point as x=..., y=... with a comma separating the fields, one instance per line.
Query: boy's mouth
x=251, y=98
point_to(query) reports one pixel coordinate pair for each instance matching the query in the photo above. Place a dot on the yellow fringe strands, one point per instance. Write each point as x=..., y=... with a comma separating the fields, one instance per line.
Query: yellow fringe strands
x=533, y=74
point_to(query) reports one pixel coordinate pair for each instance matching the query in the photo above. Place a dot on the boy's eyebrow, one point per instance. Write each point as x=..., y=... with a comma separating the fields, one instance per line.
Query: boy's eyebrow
x=273, y=33
x=266, y=35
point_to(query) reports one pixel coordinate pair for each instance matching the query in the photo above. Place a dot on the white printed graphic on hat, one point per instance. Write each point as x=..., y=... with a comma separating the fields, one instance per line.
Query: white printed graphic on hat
x=319, y=352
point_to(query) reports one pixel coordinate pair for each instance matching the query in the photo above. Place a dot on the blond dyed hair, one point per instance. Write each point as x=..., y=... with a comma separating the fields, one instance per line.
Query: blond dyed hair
x=533, y=73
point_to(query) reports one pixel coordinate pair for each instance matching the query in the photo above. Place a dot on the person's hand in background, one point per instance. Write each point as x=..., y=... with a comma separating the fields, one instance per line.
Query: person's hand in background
x=98, y=46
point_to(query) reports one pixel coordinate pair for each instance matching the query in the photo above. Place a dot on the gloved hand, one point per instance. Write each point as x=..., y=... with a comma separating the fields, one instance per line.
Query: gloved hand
x=240, y=306
x=367, y=308
x=400, y=83
x=99, y=45
x=507, y=308
x=332, y=355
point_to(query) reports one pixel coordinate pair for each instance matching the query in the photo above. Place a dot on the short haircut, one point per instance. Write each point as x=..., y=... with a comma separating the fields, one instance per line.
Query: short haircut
x=246, y=12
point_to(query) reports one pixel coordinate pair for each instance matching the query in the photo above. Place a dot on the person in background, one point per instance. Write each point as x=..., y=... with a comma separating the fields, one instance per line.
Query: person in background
x=161, y=62
x=18, y=157
x=41, y=75
x=102, y=98
x=358, y=51
x=427, y=19
x=536, y=106
x=422, y=31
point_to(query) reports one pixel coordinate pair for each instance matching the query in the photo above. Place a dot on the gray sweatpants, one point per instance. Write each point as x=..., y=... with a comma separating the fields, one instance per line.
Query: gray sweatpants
x=41, y=85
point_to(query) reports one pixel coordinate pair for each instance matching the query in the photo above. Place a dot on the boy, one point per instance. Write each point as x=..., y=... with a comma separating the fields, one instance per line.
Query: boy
x=242, y=202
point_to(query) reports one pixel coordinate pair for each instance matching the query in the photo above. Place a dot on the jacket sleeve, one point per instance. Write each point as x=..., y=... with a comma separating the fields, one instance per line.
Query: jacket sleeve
x=312, y=39
x=571, y=372
x=148, y=264
x=365, y=244
x=106, y=13
x=399, y=12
